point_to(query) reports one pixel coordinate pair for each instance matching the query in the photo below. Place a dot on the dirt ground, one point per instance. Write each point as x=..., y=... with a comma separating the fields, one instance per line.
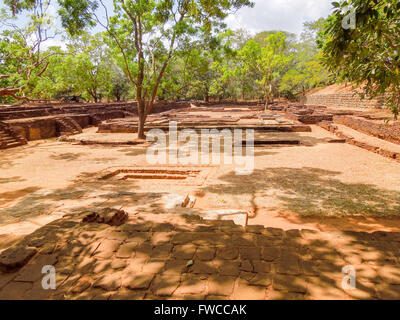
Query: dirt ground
x=319, y=182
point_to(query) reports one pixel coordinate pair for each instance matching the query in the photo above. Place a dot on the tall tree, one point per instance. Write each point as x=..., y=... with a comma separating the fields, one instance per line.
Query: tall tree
x=306, y=70
x=148, y=32
x=274, y=62
x=23, y=58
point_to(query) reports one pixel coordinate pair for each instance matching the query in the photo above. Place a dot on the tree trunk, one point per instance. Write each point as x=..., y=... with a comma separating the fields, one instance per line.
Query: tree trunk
x=141, y=134
x=142, y=118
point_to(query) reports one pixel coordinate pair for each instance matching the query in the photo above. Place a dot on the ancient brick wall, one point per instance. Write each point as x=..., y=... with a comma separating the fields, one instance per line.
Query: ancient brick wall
x=35, y=129
x=344, y=100
x=387, y=132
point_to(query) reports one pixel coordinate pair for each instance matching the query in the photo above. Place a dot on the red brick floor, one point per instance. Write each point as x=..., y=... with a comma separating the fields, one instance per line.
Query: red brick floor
x=182, y=257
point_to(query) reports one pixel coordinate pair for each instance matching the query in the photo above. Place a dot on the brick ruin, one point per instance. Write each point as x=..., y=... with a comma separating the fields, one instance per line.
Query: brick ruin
x=9, y=138
x=35, y=122
x=190, y=251
x=371, y=123
x=21, y=124
x=343, y=100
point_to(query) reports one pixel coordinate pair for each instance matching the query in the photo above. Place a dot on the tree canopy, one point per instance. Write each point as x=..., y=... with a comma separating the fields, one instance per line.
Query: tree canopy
x=369, y=54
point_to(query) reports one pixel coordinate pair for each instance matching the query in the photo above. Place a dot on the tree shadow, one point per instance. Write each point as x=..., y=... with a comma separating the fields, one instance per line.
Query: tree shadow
x=184, y=257
x=67, y=156
x=312, y=192
x=11, y=179
x=174, y=256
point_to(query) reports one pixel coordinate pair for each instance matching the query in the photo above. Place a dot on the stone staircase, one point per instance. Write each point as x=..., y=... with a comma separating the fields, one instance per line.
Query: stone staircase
x=10, y=138
x=68, y=126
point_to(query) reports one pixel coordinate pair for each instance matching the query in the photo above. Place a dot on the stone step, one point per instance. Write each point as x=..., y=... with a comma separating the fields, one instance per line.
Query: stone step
x=14, y=144
x=69, y=133
x=384, y=148
x=8, y=140
x=11, y=145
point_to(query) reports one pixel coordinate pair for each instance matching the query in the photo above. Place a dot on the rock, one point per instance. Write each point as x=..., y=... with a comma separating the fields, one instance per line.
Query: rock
x=110, y=216
x=173, y=201
x=239, y=217
x=15, y=258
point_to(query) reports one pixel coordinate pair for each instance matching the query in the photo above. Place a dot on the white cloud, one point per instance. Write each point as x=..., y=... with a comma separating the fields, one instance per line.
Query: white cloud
x=287, y=15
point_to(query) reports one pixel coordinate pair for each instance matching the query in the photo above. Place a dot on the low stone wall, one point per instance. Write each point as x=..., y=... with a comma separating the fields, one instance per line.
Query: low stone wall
x=36, y=129
x=35, y=123
x=44, y=128
x=386, y=132
x=10, y=113
x=344, y=100
x=350, y=140
x=307, y=114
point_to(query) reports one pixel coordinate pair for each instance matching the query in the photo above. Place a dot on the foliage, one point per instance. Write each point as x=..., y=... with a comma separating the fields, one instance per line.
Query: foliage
x=367, y=55
x=23, y=58
x=147, y=34
x=159, y=50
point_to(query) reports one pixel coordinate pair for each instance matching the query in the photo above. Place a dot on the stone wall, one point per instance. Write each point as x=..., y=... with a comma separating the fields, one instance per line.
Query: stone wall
x=36, y=129
x=343, y=100
x=24, y=112
x=41, y=122
x=386, y=132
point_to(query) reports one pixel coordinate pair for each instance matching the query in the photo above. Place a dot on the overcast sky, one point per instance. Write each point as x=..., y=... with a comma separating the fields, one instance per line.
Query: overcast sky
x=287, y=15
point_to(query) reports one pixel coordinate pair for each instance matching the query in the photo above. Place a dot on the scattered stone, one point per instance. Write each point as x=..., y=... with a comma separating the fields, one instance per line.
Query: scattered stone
x=191, y=284
x=15, y=258
x=228, y=253
x=110, y=216
x=173, y=201
x=165, y=286
x=245, y=291
x=237, y=216
x=82, y=284
x=337, y=141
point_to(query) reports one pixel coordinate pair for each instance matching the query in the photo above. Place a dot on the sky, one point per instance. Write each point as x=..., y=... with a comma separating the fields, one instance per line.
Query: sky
x=286, y=15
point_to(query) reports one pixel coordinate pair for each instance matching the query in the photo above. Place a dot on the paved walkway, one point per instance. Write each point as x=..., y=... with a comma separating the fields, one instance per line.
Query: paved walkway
x=182, y=257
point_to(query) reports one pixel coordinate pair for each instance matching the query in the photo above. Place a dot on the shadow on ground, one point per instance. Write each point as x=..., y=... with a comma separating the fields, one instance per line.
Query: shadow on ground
x=312, y=192
x=183, y=257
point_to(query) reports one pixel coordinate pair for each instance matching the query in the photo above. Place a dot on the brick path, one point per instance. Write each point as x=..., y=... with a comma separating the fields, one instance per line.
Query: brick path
x=178, y=257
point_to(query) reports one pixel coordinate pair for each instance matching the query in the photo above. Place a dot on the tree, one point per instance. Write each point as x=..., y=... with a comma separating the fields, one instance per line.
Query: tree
x=235, y=76
x=148, y=32
x=87, y=68
x=369, y=54
x=190, y=74
x=23, y=60
x=306, y=70
x=274, y=62
x=90, y=64
x=119, y=84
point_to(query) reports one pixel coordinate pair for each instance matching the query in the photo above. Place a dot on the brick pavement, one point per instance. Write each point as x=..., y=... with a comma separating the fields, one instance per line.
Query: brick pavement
x=182, y=257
